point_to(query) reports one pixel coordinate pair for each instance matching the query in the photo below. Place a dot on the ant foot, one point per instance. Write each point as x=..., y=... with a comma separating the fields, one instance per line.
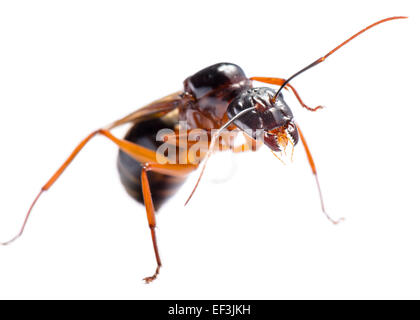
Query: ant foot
x=152, y=278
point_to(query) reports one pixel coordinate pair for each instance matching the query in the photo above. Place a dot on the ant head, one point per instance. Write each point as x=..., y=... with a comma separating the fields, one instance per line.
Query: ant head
x=270, y=118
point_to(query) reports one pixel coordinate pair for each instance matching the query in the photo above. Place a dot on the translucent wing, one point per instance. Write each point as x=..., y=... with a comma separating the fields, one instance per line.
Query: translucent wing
x=154, y=109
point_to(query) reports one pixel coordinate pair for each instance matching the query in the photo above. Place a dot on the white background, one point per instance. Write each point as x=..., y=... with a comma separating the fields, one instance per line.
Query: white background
x=68, y=67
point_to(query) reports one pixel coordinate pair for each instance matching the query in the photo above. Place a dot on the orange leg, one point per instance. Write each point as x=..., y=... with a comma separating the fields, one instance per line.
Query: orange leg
x=150, y=211
x=312, y=164
x=139, y=153
x=177, y=139
x=50, y=182
x=279, y=82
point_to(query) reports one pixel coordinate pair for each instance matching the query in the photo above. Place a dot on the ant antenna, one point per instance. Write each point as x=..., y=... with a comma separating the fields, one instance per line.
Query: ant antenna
x=313, y=64
x=212, y=145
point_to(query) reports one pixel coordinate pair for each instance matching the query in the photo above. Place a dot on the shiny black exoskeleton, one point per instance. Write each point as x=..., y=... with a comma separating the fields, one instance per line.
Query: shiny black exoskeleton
x=210, y=98
x=223, y=88
x=269, y=117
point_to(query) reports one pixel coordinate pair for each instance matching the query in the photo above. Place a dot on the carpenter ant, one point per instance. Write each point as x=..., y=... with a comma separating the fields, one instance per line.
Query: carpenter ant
x=220, y=97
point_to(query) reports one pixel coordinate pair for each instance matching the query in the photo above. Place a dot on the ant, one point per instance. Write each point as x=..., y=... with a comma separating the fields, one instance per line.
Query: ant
x=220, y=97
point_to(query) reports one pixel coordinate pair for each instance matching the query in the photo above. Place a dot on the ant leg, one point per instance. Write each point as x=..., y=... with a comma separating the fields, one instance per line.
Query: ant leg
x=49, y=184
x=150, y=210
x=139, y=153
x=312, y=164
x=151, y=218
x=279, y=82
